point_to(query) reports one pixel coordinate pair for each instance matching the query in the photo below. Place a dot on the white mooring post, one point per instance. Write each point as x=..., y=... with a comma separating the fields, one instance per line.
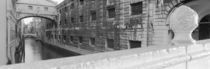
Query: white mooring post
x=183, y=21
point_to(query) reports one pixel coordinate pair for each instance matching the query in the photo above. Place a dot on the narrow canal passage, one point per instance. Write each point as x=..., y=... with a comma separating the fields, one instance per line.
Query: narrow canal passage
x=36, y=50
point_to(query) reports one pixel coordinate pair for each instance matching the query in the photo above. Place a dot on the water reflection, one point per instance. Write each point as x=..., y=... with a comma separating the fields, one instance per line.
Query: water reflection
x=36, y=50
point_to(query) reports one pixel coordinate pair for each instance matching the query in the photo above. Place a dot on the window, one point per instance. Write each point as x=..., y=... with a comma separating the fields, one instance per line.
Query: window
x=136, y=8
x=72, y=6
x=166, y=1
x=60, y=11
x=80, y=39
x=64, y=38
x=60, y=37
x=81, y=18
x=30, y=7
x=111, y=11
x=65, y=21
x=38, y=8
x=93, y=15
x=71, y=38
x=110, y=2
x=92, y=0
x=81, y=2
x=110, y=43
x=46, y=8
x=72, y=20
x=65, y=9
x=135, y=44
x=92, y=41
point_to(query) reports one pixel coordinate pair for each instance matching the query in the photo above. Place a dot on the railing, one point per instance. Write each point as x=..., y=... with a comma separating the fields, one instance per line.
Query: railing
x=185, y=54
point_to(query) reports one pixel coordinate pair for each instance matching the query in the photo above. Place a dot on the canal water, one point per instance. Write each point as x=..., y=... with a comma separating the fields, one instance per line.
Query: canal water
x=36, y=50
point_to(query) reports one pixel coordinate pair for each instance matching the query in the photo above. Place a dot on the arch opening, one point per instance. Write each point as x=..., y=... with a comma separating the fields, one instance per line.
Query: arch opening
x=38, y=23
x=203, y=30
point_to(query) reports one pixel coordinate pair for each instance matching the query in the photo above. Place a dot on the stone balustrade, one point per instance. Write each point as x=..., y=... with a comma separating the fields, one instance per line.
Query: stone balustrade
x=148, y=58
x=185, y=54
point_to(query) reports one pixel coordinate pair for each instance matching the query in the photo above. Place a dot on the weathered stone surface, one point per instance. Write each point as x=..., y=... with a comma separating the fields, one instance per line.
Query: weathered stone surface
x=183, y=21
x=154, y=57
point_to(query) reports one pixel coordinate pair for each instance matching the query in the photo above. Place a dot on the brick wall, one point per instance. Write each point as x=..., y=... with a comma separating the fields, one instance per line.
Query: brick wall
x=148, y=28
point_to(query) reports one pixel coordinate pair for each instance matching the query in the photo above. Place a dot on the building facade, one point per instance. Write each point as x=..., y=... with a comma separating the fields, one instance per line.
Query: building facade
x=9, y=38
x=107, y=25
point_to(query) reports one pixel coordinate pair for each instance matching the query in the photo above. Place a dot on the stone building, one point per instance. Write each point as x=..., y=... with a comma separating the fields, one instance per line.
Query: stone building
x=8, y=37
x=113, y=24
x=106, y=25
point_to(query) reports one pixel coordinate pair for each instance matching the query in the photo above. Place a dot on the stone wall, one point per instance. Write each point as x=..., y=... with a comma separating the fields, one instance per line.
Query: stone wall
x=149, y=28
x=122, y=28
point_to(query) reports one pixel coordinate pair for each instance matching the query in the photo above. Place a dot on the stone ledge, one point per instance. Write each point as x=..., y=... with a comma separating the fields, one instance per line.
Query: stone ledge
x=71, y=48
x=140, y=58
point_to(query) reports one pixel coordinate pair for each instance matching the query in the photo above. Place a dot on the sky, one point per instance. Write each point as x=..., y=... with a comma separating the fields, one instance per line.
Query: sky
x=58, y=1
x=28, y=20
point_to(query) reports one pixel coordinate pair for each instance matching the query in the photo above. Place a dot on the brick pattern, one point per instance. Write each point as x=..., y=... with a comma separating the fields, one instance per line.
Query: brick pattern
x=150, y=27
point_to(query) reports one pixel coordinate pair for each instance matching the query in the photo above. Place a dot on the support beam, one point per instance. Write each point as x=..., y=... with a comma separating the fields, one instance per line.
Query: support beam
x=3, y=36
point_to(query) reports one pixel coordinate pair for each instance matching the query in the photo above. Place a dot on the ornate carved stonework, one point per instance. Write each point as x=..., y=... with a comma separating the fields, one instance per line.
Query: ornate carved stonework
x=183, y=21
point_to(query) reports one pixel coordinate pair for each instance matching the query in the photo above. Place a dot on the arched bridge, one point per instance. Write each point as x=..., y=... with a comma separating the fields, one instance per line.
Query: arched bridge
x=26, y=8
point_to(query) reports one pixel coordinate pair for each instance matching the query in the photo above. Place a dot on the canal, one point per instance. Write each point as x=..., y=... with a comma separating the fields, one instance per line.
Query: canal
x=36, y=50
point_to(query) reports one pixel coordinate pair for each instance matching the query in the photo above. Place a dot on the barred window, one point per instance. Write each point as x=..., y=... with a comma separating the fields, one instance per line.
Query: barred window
x=110, y=2
x=72, y=20
x=30, y=7
x=93, y=15
x=80, y=39
x=110, y=43
x=166, y=1
x=65, y=21
x=81, y=2
x=92, y=0
x=92, y=41
x=111, y=11
x=72, y=6
x=135, y=44
x=46, y=8
x=71, y=38
x=81, y=18
x=136, y=8
x=65, y=9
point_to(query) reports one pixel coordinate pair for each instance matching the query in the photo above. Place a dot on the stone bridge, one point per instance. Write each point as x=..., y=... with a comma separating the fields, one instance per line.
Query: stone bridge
x=34, y=8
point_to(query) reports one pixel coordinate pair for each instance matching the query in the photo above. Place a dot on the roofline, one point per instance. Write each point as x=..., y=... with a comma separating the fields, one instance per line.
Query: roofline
x=35, y=4
x=54, y=4
x=60, y=4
